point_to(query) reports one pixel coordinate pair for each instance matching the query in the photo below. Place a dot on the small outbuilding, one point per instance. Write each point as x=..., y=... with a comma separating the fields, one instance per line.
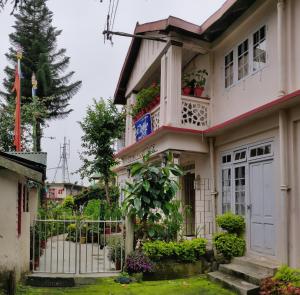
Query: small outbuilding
x=22, y=178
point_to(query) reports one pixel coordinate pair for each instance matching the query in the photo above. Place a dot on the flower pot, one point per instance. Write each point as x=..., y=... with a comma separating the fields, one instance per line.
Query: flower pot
x=198, y=91
x=107, y=230
x=187, y=90
x=82, y=240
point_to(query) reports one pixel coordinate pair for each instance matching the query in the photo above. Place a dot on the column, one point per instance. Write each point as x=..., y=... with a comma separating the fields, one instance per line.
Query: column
x=283, y=186
x=281, y=46
x=173, y=84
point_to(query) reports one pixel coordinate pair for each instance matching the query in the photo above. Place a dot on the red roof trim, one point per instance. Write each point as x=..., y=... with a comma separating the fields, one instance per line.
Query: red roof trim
x=209, y=131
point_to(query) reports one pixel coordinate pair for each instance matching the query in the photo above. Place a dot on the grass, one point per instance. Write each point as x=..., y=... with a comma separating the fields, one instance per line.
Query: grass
x=107, y=286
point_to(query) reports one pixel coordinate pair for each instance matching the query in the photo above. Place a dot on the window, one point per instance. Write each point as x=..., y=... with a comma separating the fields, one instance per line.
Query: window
x=226, y=190
x=240, y=156
x=229, y=69
x=240, y=189
x=246, y=58
x=259, y=48
x=261, y=151
x=226, y=159
x=243, y=60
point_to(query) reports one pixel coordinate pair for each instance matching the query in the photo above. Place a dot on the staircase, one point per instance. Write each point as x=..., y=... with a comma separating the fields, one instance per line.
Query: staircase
x=244, y=274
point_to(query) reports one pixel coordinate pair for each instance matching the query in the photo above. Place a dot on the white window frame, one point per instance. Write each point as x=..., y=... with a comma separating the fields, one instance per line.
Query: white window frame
x=251, y=71
x=227, y=66
x=240, y=160
x=252, y=50
x=242, y=55
x=271, y=154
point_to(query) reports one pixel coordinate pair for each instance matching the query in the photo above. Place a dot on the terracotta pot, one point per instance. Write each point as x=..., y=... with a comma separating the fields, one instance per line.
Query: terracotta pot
x=107, y=231
x=198, y=91
x=186, y=90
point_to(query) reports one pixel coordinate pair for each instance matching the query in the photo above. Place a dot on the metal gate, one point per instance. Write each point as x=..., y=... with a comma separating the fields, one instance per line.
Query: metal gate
x=77, y=246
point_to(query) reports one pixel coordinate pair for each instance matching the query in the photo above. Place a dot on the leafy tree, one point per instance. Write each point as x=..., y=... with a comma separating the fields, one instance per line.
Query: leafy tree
x=35, y=34
x=152, y=191
x=102, y=126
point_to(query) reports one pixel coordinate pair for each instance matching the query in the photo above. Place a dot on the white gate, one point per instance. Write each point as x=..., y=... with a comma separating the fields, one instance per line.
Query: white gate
x=77, y=246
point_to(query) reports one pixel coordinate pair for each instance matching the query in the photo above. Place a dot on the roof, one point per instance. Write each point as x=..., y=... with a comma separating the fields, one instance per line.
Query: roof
x=283, y=102
x=31, y=169
x=38, y=157
x=209, y=31
x=66, y=184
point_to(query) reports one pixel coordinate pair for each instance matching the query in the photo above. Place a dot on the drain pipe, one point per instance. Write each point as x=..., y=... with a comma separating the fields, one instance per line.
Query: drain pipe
x=284, y=185
x=213, y=191
x=281, y=46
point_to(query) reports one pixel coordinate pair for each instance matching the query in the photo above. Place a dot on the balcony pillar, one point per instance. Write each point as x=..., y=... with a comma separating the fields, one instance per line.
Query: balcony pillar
x=171, y=85
x=129, y=138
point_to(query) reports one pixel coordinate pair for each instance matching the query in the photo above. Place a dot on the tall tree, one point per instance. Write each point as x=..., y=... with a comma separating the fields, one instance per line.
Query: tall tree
x=102, y=126
x=36, y=36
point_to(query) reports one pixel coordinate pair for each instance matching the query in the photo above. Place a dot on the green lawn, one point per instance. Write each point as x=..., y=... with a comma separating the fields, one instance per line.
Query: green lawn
x=107, y=286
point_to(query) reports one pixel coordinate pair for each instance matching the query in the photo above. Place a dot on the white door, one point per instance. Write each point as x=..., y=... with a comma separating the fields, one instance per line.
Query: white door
x=262, y=207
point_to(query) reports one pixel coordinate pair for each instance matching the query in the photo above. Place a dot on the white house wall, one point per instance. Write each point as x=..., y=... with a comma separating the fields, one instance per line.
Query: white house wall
x=257, y=88
x=14, y=250
x=149, y=51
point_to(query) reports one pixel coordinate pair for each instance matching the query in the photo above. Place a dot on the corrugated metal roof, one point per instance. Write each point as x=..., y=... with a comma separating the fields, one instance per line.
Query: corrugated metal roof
x=40, y=157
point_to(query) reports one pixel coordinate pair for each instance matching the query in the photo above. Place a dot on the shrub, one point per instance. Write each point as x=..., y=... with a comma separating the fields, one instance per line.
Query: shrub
x=188, y=251
x=144, y=98
x=234, y=224
x=230, y=245
x=137, y=262
x=270, y=286
x=288, y=275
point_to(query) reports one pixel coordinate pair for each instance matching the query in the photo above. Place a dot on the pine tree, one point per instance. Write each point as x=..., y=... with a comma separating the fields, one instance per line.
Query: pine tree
x=36, y=36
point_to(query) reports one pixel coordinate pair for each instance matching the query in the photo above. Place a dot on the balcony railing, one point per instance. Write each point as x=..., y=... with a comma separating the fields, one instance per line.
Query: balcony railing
x=194, y=114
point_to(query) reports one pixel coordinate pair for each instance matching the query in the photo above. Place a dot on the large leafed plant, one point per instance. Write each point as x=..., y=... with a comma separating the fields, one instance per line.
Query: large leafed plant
x=149, y=196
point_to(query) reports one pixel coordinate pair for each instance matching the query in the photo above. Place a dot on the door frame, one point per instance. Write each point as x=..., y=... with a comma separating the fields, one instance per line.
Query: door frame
x=247, y=162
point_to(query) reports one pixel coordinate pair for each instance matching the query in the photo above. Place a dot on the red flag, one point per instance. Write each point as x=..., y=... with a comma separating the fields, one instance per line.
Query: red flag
x=17, y=89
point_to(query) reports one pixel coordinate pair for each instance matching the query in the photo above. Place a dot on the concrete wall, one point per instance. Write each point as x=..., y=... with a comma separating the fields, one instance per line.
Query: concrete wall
x=14, y=248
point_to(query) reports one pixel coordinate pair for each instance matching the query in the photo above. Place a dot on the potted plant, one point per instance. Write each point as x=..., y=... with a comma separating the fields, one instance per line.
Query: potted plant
x=200, y=80
x=187, y=84
x=83, y=236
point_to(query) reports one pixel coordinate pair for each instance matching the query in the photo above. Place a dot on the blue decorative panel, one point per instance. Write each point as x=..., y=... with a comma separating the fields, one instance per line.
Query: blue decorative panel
x=143, y=127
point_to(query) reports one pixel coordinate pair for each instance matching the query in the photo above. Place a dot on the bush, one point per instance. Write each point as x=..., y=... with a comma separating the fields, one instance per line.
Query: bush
x=230, y=245
x=288, y=275
x=144, y=98
x=234, y=224
x=137, y=262
x=188, y=251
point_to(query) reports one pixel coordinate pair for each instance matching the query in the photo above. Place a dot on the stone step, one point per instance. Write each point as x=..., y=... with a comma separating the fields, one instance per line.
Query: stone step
x=261, y=264
x=248, y=273
x=236, y=284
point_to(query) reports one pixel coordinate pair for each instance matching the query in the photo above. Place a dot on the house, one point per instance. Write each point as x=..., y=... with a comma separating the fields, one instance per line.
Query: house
x=239, y=144
x=21, y=178
x=58, y=191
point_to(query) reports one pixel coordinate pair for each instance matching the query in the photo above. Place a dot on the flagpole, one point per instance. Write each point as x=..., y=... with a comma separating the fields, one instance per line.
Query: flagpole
x=18, y=104
x=34, y=133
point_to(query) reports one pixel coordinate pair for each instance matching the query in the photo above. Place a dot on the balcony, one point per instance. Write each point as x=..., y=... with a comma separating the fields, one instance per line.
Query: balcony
x=174, y=109
x=194, y=114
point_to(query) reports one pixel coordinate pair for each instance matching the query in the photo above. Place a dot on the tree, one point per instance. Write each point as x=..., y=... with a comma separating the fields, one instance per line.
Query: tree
x=102, y=126
x=36, y=36
x=150, y=195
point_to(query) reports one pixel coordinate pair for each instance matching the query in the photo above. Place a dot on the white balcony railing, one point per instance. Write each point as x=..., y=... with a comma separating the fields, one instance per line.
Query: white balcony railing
x=194, y=112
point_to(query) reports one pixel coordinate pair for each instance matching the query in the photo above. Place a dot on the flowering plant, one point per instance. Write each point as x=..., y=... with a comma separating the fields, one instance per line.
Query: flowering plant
x=137, y=262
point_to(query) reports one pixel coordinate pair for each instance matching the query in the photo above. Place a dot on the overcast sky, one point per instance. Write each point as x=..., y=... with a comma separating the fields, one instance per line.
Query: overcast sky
x=98, y=65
